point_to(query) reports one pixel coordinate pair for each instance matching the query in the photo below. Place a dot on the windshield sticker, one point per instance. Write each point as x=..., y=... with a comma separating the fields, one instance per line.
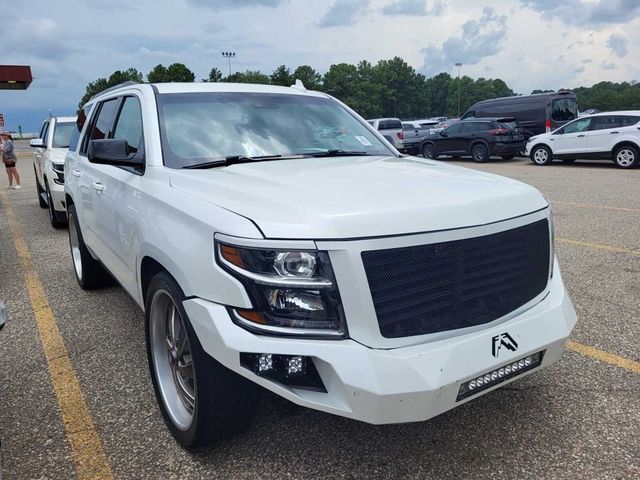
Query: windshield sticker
x=364, y=141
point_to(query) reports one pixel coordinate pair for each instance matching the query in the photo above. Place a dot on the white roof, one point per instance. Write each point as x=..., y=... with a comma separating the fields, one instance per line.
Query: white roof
x=620, y=112
x=231, y=87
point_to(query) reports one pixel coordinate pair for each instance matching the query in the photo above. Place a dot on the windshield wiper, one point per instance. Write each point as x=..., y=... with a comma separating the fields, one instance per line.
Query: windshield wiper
x=235, y=159
x=337, y=152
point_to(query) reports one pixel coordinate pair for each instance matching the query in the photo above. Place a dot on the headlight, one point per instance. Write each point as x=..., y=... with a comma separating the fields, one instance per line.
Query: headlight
x=293, y=292
x=58, y=170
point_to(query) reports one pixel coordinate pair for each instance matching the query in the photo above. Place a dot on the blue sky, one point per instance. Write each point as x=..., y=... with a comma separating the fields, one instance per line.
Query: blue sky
x=528, y=43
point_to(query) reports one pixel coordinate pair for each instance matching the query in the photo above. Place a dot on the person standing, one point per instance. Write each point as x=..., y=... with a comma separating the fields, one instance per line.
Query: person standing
x=9, y=158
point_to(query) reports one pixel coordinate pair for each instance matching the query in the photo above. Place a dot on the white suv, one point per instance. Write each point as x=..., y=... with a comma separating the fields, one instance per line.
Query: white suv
x=602, y=136
x=273, y=238
x=49, y=150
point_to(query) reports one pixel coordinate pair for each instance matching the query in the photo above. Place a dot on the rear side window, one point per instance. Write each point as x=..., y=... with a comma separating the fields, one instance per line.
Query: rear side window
x=80, y=121
x=628, y=120
x=564, y=109
x=390, y=125
x=605, y=121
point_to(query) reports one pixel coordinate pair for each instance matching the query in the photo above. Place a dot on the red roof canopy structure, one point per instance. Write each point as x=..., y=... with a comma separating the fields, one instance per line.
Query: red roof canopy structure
x=15, y=77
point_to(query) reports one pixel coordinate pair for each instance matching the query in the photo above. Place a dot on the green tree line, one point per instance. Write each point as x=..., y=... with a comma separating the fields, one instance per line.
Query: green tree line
x=390, y=88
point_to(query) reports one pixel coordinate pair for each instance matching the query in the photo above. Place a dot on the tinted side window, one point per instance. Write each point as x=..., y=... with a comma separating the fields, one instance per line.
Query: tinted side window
x=45, y=132
x=605, y=121
x=129, y=124
x=454, y=129
x=628, y=120
x=104, y=121
x=80, y=121
x=43, y=129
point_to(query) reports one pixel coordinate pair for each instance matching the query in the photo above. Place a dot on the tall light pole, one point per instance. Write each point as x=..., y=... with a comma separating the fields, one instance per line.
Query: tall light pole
x=458, y=65
x=229, y=56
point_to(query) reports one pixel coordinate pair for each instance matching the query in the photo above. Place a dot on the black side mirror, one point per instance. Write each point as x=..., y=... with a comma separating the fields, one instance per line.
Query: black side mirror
x=114, y=151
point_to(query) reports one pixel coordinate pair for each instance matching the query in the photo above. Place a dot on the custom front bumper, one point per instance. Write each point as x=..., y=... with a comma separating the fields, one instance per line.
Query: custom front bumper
x=396, y=385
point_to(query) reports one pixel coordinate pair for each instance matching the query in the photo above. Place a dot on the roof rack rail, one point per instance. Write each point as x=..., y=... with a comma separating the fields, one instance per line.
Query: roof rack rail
x=115, y=87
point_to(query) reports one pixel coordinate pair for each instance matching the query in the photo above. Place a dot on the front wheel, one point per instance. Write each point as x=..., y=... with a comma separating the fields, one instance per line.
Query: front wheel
x=89, y=272
x=58, y=220
x=200, y=399
x=541, y=155
x=41, y=200
x=429, y=151
x=626, y=157
x=480, y=153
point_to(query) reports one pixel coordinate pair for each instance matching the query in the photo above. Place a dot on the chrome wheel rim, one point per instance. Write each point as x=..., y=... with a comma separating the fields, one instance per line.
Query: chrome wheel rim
x=478, y=153
x=540, y=156
x=172, y=360
x=625, y=157
x=74, y=241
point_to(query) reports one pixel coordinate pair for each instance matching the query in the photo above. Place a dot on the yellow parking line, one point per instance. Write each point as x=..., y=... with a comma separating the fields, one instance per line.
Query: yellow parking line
x=589, y=205
x=603, y=356
x=86, y=447
x=599, y=246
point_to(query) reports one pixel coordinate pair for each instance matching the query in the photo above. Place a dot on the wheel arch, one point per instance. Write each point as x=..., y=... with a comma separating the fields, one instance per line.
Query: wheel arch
x=153, y=261
x=625, y=143
x=541, y=144
x=479, y=141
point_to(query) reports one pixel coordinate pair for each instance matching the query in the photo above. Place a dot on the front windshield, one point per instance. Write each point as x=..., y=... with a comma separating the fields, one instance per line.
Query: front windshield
x=62, y=135
x=201, y=127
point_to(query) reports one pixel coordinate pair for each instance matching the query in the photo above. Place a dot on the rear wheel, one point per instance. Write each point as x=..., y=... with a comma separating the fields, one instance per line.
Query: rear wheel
x=57, y=219
x=41, y=201
x=626, y=157
x=541, y=155
x=429, y=151
x=200, y=399
x=480, y=153
x=89, y=272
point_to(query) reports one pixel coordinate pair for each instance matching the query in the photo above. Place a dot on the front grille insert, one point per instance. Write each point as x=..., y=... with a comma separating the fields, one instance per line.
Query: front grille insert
x=462, y=283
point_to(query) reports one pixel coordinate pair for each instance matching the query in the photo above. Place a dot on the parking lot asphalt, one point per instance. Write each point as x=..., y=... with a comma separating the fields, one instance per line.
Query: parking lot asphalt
x=578, y=418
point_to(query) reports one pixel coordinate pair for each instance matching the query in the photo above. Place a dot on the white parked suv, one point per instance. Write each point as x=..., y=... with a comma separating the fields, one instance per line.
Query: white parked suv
x=273, y=238
x=49, y=150
x=602, y=136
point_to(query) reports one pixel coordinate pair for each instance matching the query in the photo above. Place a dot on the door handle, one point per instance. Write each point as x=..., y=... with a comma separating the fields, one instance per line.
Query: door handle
x=579, y=136
x=614, y=132
x=76, y=173
x=97, y=186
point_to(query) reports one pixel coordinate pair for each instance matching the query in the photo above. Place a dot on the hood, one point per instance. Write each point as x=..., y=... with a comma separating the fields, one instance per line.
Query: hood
x=354, y=197
x=57, y=154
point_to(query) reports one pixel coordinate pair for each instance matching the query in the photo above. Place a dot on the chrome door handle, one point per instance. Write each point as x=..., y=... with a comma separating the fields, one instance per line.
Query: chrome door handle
x=97, y=186
x=76, y=173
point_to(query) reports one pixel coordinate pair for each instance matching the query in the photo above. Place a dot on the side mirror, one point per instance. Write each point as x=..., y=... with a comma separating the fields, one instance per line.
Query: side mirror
x=37, y=142
x=114, y=151
x=444, y=134
x=3, y=315
x=560, y=132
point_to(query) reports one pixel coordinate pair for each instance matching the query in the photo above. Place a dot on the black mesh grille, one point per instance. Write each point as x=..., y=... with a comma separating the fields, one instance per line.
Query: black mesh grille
x=450, y=285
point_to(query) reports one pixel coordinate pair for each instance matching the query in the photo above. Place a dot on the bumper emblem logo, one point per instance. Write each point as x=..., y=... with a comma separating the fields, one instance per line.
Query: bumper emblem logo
x=503, y=340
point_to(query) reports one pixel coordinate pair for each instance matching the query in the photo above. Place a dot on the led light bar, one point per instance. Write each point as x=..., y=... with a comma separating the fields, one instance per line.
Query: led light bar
x=499, y=375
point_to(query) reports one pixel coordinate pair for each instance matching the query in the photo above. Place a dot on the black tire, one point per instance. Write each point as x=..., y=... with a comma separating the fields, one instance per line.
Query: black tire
x=508, y=157
x=568, y=160
x=541, y=155
x=223, y=402
x=89, y=272
x=429, y=151
x=480, y=153
x=626, y=157
x=57, y=219
x=41, y=201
